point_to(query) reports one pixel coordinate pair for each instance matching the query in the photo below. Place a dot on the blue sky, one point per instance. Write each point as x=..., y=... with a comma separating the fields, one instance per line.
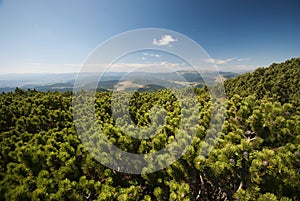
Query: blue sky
x=56, y=36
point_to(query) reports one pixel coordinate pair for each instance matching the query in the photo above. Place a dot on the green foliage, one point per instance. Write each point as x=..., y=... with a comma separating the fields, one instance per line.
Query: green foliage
x=257, y=156
x=279, y=81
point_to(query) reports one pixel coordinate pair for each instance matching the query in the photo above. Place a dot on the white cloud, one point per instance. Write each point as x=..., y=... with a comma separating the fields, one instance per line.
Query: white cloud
x=90, y=67
x=225, y=61
x=155, y=55
x=243, y=59
x=243, y=68
x=219, y=61
x=161, y=66
x=165, y=40
x=151, y=55
x=238, y=68
x=35, y=67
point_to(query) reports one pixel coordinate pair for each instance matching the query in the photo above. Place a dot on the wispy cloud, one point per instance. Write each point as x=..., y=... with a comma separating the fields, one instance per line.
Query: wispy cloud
x=243, y=59
x=243, y=68
x=90, y=67
x=220, y=61
x=164, y=40
x=151, y=55
x=225, y=61
x=36, y=67
x=154, y=66
x=234, y=64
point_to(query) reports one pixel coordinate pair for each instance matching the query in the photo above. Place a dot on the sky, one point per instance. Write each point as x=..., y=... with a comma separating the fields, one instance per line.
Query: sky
x=56, y=36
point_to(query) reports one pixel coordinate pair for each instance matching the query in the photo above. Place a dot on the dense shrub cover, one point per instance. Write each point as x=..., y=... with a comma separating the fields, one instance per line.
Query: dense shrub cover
x=257, y=156
x=279, y=81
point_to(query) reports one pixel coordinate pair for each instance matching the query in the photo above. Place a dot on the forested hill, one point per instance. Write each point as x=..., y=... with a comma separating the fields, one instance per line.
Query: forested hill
x=279, y=81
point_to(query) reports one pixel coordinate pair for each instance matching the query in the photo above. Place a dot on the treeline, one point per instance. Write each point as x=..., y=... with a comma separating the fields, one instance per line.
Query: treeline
x=257, y=156
x=279, y=81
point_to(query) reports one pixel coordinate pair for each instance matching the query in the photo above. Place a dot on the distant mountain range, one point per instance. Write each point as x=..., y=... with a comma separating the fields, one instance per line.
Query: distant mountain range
x=141, y=81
